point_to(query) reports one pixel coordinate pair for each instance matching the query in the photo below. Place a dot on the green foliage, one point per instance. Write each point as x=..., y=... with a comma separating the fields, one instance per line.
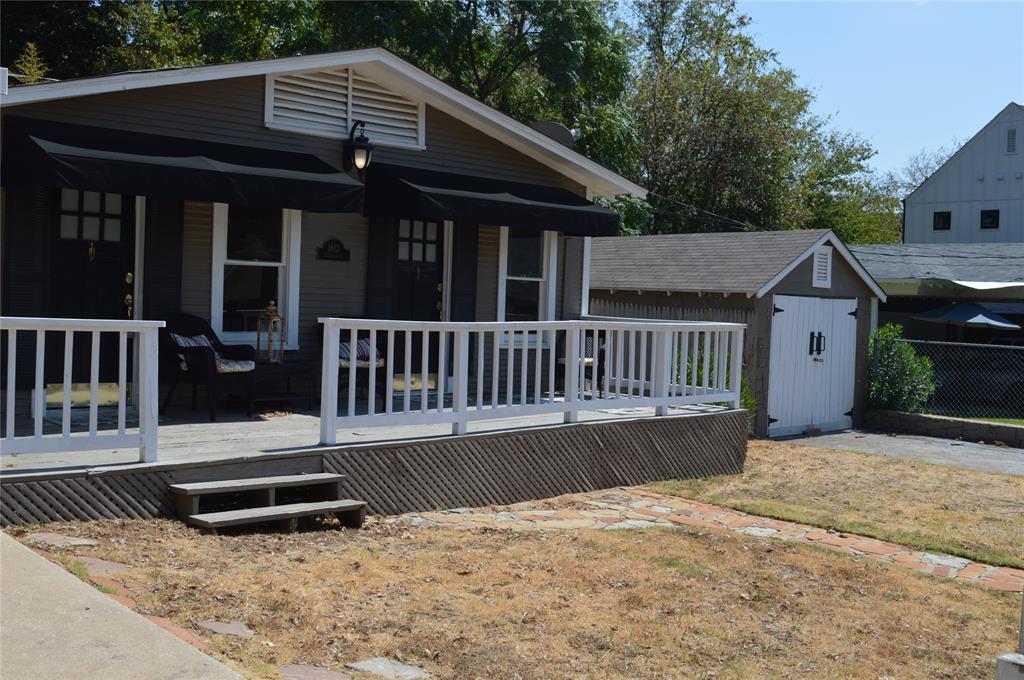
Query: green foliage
x=900, y=380
x=30, y=67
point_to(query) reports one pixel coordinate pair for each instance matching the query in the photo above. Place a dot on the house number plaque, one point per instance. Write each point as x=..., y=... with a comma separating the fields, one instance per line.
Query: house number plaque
x=333, y=249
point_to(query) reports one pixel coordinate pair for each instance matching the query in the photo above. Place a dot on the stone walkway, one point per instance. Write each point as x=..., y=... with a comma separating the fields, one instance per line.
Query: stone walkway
x=634, y=508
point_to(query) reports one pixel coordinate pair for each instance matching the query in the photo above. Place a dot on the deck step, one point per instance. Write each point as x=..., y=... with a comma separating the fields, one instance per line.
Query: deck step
x=254, y=483
x=350, y=512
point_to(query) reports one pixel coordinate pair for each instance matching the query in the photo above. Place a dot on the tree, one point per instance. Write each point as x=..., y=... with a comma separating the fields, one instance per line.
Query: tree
x=30, y=67
x=918, y=168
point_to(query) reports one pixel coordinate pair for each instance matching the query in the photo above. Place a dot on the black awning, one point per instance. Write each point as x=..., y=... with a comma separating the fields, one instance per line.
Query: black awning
x=132, y=163
x=393, y=191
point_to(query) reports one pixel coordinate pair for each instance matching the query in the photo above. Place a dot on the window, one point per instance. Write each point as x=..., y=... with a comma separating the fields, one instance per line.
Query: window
x=1011, y=140
x=822, y=275
x=989, y=219
x=417, y=241
x=526, y=271
x=942, y=220
x=90, y=215
x=255, y=260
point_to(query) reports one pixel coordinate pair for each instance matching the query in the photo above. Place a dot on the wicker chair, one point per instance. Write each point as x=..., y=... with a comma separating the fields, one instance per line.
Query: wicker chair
x=191, y=352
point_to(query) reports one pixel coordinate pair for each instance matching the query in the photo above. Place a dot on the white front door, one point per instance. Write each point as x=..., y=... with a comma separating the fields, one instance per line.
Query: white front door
x=811, y=369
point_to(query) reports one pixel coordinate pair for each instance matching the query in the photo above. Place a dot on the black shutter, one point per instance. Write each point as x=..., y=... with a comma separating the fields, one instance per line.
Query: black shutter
x=28, y=229
x=161, y=276
x=380, y=268
x=464, y=255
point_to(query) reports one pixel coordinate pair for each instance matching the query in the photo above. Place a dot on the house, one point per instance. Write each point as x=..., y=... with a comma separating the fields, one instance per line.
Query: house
x=919, y=278
x=803, y=295
x=426, y=255
x=977, y=196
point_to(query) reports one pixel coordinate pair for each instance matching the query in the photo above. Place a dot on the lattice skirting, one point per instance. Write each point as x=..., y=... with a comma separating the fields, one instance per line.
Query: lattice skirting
x=477, y=470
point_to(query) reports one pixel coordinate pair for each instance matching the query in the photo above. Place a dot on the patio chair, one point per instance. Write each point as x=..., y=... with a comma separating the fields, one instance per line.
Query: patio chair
x=362, y=362
x=589, y=356
x=191, y=352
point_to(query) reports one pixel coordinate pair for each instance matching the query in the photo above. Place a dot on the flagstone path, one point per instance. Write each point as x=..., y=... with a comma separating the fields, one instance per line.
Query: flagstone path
x=633, y=508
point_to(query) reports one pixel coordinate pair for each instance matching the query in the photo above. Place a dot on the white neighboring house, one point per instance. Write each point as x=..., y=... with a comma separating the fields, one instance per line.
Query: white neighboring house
x=977, y=196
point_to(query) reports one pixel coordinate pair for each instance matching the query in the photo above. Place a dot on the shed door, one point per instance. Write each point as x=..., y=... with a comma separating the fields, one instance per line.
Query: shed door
x=811, y=369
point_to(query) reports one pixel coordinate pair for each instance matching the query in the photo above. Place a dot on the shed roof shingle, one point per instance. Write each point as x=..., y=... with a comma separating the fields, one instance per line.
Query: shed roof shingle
x=736, y=262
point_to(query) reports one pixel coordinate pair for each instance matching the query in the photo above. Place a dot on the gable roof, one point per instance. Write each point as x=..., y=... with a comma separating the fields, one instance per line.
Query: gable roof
x=382, y=66
x=1012, y=106
x=751, y=263
x=992, y=263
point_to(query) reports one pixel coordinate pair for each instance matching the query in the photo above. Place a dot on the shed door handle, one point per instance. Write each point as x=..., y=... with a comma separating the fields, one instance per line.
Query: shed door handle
x=810, y=345
x=820, y=347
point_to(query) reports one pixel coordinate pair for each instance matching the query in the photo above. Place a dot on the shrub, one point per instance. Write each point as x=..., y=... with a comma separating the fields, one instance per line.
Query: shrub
x=900, y=380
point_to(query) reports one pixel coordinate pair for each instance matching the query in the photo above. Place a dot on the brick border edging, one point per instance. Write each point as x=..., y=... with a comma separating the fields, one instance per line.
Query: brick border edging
x=943, y=426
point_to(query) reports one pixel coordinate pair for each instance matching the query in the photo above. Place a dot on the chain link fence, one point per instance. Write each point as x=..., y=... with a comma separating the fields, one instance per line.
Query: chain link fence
x=975, y=381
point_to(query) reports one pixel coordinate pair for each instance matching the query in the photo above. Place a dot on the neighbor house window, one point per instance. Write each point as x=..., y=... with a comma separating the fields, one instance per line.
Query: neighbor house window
x=255, y=260
x=942, y=221
x=90, y=215
x=526, y=270
x=989, y=219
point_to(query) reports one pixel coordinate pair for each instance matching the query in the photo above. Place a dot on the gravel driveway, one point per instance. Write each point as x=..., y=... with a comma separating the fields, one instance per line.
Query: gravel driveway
x=967, y=455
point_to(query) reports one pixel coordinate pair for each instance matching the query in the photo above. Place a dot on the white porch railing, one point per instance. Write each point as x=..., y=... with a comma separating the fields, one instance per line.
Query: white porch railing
x=145, y=438
x=511, y=369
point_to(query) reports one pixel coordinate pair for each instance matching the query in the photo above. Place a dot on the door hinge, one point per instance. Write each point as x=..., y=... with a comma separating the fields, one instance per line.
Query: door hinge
x=853, y=314
x=772, y=420
x=776, y=310
x=849, y=413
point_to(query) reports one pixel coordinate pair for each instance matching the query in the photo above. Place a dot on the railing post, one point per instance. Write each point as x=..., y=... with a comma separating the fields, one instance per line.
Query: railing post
x=460, y=393
x=662, y=369
x=572, y=373
x=329, y=384
x=736, y=366
x=149, y=395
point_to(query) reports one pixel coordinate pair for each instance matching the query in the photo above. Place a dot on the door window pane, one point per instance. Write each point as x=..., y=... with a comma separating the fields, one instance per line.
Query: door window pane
x=522, y=300
x=403, y=250
x=525, y=255
x=247, y=292
x=254, y=234
x=431, y=231
x=112, y=229
x=403, y=228
x=90, y=228
x=417, y=251
x=431, y=254
x=112, y=203
x=69, y=200
x=69, y=226
x=91, y=202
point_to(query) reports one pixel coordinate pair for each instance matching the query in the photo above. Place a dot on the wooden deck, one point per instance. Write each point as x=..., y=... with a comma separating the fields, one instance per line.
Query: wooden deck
x=184, y=439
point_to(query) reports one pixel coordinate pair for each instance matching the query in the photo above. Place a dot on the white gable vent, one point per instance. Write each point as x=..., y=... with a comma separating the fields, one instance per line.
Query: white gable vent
x=822, y=276
x=325, y=103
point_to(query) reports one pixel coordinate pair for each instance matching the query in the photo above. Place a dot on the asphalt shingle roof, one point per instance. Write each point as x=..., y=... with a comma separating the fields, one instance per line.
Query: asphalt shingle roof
x=734, y=262
x=996, y=262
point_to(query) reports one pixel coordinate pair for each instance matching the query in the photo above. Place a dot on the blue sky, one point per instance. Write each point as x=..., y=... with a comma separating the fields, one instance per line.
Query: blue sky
x=904, y=75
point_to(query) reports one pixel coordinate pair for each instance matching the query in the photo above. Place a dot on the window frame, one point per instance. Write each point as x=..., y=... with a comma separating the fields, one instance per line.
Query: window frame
x=981, y=219
x=547, y=301
x=287, y=283
x=949, y=222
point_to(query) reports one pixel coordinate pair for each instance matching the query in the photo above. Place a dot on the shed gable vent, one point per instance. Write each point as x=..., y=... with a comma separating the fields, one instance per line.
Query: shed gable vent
x=1011, y=140
x=822, y=276
x=325, y=103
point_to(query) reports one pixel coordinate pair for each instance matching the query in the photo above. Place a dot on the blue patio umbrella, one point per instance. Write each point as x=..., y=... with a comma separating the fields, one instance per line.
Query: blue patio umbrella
x=967, y=314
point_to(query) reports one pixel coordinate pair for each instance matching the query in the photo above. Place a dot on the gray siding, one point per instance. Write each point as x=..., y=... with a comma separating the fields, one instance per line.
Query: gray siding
x=571, y=279
x=487, y=274
x=197, y=256
x=329, y=288
x=231, y=111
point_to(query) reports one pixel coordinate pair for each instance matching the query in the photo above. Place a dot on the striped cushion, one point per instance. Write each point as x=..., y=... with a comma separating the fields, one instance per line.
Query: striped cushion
x=194, y=341
x=362, y=350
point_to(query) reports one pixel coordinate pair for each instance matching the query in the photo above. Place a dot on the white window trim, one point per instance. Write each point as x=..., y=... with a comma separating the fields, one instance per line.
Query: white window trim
x=288, y=283
x=547, y=303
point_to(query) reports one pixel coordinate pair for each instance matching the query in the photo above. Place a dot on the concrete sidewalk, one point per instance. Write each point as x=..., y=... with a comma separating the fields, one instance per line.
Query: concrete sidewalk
x=53, y=625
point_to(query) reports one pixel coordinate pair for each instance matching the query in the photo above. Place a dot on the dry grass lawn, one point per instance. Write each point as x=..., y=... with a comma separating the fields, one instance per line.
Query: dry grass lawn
x=573, y=604
x=932, y=507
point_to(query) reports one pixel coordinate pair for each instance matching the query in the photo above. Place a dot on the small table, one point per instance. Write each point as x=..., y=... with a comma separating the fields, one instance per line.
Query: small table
x=270, y=377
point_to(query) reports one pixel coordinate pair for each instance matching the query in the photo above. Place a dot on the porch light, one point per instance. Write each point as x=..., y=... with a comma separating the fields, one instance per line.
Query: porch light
x=356, y=151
